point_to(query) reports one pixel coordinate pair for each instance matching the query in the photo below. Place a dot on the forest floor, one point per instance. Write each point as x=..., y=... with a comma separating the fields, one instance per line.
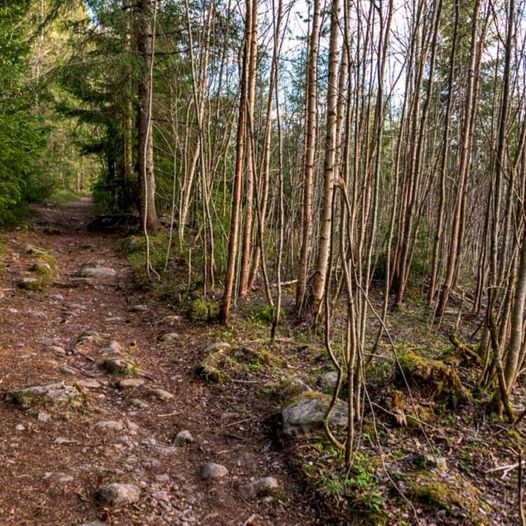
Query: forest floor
x=55, y=457
x=422, y=459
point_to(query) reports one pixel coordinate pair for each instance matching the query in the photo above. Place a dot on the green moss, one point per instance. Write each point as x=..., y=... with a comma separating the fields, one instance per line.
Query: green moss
x=32, y=284
x=43, y=268
x=432, y=377
x=119, y=367
x=457, y=497
x=203, y=310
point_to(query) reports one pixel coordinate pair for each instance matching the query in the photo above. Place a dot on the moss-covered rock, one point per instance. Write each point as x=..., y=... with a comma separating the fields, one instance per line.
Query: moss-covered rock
x=42, y=268
x=119, y=366
x=32, y=284
x=222, y=360
x=455, y=496
x=291, y=388
x=432, y=378
x=201, y=309
x=58, y=393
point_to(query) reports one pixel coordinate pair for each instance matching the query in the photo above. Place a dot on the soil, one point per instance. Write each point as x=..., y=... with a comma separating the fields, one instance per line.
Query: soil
x=54, y=458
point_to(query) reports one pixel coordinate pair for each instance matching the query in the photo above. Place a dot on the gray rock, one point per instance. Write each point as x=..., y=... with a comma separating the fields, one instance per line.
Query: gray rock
x=67, y=370
x=160, y=394
x=56, y=297
x=169, y=337
x=162, y=478
x=89, y=383
x=62, y=440
x=98, y=273
x=94, y=523
x=260, y=487
x=137, y=403
x=130, y=383
x=183, y=437
x=45, y=394
x=43, y=416
x=306, y=413
x=429, y=461
x=114, y=347
x=212, y=471
x=119, y=494
x=110, y=425
x=328, y=381
x=163, y=496
x=118, y=366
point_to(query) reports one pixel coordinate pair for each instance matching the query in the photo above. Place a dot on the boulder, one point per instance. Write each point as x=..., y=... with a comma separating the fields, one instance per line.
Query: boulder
x=306, y=412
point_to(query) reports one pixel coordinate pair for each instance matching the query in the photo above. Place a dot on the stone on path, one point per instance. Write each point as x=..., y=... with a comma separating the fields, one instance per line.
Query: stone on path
x=98, y=273
x=110, y=425
x=260, y=487
x=118, y=366
x=160, y=394
x=169, y=337
x=212, y=471
x=45, y=394
x=119, y=494
x=90, y=383
x=130, y=383
x=183, y=437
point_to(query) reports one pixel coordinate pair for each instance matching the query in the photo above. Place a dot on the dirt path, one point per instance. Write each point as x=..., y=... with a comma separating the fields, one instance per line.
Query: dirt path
x=55, y=457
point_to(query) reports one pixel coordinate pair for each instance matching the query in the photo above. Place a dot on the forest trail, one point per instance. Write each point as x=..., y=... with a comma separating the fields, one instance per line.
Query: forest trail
x=56, y=457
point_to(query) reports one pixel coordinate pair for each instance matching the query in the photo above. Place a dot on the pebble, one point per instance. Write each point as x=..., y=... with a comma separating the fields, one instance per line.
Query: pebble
x=137, y=403
x=212, y=471
x=67, y=370
x=169, y=337
x=43, y=416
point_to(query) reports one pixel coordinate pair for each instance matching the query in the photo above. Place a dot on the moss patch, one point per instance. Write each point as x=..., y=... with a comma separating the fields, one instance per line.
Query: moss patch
x=457, y=497
x=433, y=378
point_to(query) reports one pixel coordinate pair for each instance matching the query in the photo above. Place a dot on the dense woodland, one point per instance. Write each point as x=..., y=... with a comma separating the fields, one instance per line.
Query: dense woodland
x=333, y=162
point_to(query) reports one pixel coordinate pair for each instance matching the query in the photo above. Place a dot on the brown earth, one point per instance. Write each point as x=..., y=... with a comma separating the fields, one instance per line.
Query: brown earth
x=54, y=458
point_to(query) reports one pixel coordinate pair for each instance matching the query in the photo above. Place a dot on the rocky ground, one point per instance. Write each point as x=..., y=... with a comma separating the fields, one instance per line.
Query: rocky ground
x=104, y=420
